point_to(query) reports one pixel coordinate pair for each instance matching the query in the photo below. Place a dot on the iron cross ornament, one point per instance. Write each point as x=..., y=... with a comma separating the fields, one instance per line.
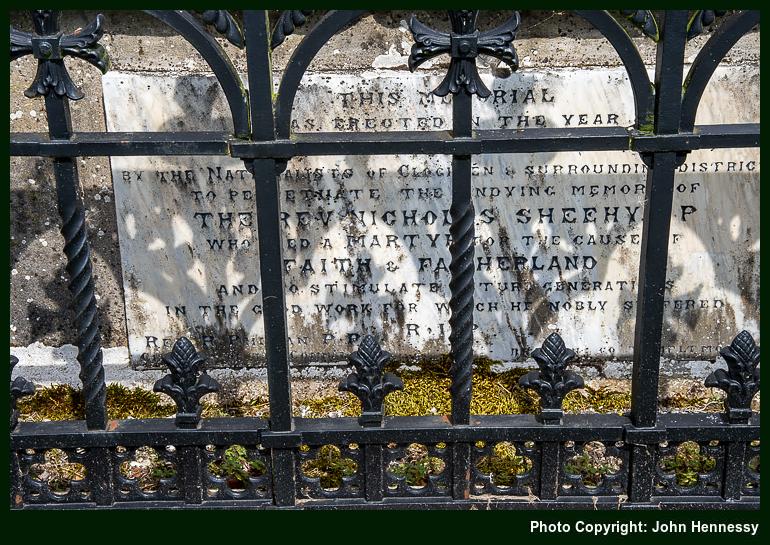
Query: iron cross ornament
x=464, y=43
x=49, y=46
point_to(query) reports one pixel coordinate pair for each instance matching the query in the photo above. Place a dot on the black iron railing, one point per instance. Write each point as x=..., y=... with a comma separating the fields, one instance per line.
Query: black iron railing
x=663, y=134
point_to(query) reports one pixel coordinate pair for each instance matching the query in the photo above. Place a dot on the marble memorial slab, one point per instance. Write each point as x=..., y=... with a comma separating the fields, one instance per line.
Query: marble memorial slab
x=366, y=238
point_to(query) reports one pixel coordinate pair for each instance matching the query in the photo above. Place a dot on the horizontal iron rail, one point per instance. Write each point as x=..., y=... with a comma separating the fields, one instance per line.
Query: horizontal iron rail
x=576, y=502
x=430, y=429
x=429, y=142
x=86, y=144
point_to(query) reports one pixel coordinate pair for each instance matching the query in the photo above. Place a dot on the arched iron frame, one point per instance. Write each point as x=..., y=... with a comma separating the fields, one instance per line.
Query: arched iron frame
x=663, y=133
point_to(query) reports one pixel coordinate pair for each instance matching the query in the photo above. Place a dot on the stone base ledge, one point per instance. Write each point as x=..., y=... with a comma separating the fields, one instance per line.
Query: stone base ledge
x=46, y=365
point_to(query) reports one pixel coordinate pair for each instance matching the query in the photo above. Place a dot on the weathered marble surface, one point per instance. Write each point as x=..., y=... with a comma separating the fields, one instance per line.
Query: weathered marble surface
x=366, y=237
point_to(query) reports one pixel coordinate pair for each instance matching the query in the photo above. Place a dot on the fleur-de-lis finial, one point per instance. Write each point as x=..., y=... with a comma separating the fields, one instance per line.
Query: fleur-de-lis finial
x=20, y=387
x=741, y=380
x=464, y=44
x=552, y=381
x=369, y=383
x=187, y=383
x=49, y=46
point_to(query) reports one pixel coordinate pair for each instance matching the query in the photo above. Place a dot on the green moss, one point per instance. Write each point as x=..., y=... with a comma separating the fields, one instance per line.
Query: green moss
x=329, y=467
x=62, y=402
x=422, y=395
x=57, y=402
x=483, y=364
x=137, y=402
x=346, y=405
x=688, y=463
x=706, y=402
x=258, y=407
x=600, y=400
x=647, y=126
x=504, y=464
x=426, y=392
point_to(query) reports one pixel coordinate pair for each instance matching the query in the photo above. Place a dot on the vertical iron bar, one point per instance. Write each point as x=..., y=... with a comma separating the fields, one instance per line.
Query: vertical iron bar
x=17, y=498
x=669, y=65
x=273, y=301
x=78, y=253
x=192, y=474
x=657, y=219
x=461, y=267
x=284, y=478
x=100, y=475
x=461, y=471
x=641, y=473
x=733, y=475
x=260, y=74
x=374, y=473
x=270, y=250
x=549, y=471
x=461, y=287
x=268, y=219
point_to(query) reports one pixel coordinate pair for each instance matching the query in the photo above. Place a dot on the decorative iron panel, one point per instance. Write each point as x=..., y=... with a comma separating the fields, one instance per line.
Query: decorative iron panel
x=546, y=460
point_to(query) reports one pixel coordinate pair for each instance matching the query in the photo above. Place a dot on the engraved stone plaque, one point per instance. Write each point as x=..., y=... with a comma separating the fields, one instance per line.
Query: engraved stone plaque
x=366, y=237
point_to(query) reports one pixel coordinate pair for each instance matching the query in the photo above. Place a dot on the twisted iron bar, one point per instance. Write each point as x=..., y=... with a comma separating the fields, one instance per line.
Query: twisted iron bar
x=461, y=305
x=81, y=286
x=49, y=46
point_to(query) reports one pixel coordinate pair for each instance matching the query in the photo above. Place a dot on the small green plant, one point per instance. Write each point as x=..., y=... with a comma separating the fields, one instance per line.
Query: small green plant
x=417, y=466
x=504, y=464
x=688, y=463
x=147, y=468
x=163, y=471
x=592, y=464
x=329, y=467
x=235, y=466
